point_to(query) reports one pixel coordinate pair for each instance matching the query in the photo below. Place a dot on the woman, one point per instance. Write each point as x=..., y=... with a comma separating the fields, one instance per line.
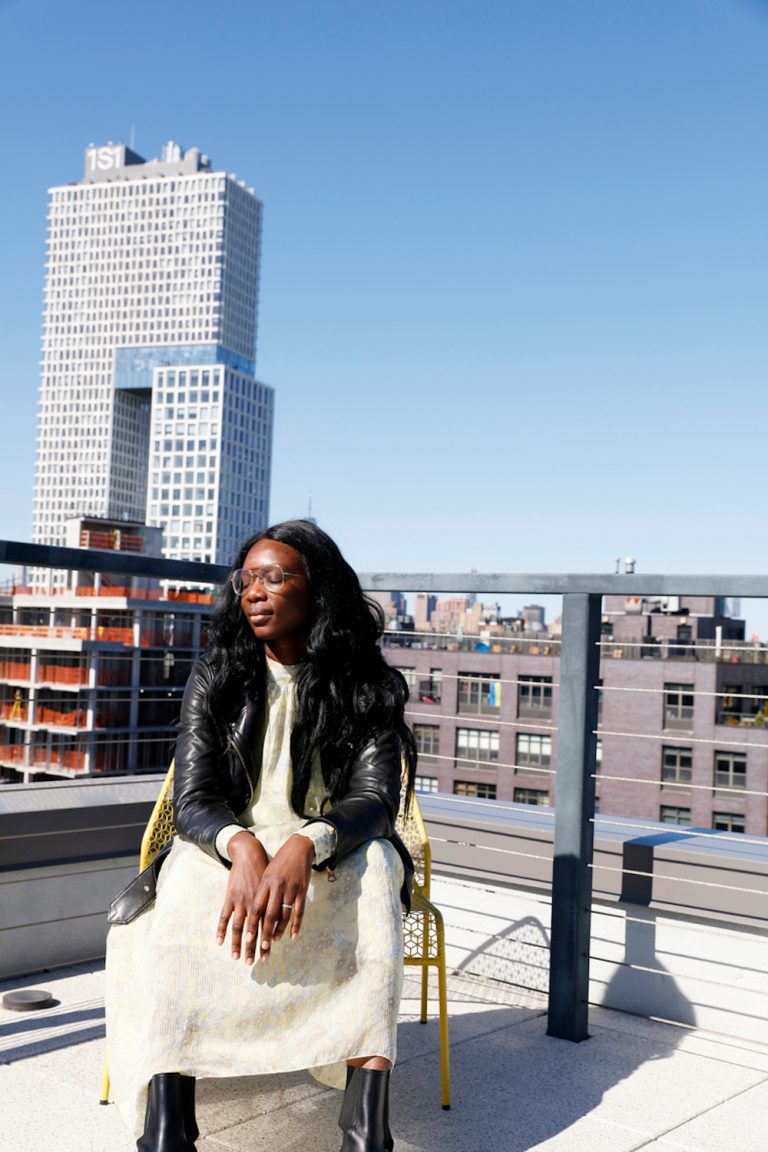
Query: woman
x=275, y=939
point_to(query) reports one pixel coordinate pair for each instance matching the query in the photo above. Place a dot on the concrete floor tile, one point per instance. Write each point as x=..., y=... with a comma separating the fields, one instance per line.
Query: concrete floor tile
x=39, y=1115
x=736, y=1125
x=642, y=1083
x=222, y=1103
x=475, y=1019
x=666, y=1089
x=635, y=1085
x=530, y=1088
x=308, y=1123
x=590, y=1134
x=728, y=1049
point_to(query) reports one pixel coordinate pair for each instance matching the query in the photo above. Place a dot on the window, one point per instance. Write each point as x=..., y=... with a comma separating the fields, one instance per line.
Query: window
x=477, y=744
x=427, y=739
x=534, y=751
x=678, y=706
x=729, y=711
x=537, y=796
x=426, y=784
x=730, y=770
x=669, y=814
x=534, y=696
x=474, y=788
x=430, y=691
x=684, y=648
x=727, y=822
x=479, y=693
x=676, y=765
x=742, y=704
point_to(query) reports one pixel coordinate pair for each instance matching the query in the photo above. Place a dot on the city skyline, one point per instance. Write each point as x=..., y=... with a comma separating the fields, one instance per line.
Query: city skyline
x=149, y=406
x=514, y=271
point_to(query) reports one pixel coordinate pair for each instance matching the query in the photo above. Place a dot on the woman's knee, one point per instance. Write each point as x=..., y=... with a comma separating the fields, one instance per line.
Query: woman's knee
x=379, y=1063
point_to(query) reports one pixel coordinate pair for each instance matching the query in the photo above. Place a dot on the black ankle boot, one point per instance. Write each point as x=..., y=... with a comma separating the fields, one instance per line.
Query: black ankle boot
x=165, y=1124
x=364, y=1115
x=191, y=1130
x=347, y=1105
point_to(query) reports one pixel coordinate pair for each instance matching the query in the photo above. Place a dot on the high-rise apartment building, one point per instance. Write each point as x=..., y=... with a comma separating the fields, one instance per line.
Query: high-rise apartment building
x=149, y=405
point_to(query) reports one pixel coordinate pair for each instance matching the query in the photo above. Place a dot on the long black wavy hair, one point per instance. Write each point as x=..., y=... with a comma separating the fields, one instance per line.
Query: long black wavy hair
x=346, y=692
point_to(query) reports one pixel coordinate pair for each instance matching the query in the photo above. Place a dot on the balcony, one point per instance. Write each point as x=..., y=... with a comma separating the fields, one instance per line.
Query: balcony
x=647, y=943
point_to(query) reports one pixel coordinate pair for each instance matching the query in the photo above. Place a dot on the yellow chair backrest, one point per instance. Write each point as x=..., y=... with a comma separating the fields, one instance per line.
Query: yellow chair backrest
x=160, y=828
x=412, y=832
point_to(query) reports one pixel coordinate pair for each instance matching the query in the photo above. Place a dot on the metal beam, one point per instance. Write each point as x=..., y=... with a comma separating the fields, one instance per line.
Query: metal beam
x=490, y=583
x=574, y=810
x=562, y=583
x=102, y=560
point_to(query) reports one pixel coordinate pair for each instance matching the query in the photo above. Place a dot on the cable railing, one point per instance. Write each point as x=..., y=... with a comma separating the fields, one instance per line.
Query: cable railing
x=631, y=648
x=541, y=688
x=596, y=674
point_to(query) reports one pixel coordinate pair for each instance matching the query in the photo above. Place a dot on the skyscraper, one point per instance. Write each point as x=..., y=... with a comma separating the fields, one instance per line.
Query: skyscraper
x=149, y=405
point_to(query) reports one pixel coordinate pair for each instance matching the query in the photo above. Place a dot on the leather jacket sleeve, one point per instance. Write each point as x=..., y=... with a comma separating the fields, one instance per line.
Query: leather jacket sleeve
x=201, y=790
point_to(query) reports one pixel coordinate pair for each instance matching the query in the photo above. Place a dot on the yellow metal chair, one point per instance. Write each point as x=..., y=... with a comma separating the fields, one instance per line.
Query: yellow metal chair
x=424, y=933
x=157, y=833
x=423, y=930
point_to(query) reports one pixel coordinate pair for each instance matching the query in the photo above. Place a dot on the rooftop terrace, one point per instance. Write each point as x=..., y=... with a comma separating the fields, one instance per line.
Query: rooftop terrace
x=635, y=1084
x=609, y=979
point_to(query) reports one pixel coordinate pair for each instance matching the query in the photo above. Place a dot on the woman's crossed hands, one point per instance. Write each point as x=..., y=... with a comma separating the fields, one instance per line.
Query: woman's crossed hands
x=264, y=895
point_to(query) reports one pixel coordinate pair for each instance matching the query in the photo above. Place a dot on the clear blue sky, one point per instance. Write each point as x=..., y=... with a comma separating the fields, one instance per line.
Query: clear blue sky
x=515, y=274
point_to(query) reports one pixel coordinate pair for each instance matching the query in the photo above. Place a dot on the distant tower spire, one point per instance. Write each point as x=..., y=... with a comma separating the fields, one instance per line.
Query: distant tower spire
x=309, y=515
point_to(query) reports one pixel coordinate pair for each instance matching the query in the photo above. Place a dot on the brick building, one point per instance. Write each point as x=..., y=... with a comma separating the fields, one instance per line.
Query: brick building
x=683, y=707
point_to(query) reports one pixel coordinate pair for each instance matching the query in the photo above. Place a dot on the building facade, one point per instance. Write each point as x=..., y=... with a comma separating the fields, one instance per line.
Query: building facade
x=149, y=405
x=91, y=675
x=682, y=735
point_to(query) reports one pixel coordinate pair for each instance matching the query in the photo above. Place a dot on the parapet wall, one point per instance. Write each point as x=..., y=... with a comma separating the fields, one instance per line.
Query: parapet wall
x=679, y=921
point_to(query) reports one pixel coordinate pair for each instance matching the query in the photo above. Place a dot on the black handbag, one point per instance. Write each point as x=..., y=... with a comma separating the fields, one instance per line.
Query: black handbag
x=140, y=894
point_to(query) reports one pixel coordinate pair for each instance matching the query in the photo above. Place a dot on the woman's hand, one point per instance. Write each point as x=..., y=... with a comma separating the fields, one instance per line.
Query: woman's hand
x=282, y=895
x=249, y=863
x=264, y=894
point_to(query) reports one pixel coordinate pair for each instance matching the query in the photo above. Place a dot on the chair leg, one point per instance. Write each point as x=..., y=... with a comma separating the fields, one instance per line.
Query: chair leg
x=424, y=967
x=104, y=1092
x=442, y=988
x=424, y=993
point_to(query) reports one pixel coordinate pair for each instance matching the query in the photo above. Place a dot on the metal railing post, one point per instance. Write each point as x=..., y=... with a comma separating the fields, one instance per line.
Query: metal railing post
x=574, y=809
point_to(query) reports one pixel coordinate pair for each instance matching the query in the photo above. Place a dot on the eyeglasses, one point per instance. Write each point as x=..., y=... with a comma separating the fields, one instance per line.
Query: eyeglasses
x=271, y=577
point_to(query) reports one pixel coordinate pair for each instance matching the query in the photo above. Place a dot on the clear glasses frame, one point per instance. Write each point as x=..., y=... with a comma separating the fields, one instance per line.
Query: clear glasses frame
x=270, y=576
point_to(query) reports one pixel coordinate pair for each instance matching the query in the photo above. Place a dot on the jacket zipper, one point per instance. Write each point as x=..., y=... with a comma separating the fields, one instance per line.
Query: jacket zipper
x=231, y=744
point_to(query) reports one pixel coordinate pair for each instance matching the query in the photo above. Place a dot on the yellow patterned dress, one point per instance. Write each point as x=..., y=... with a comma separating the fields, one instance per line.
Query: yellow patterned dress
x=177, y=1002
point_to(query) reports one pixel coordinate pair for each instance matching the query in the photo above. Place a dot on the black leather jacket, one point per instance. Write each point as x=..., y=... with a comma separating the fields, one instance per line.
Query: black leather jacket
x=210, y=788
